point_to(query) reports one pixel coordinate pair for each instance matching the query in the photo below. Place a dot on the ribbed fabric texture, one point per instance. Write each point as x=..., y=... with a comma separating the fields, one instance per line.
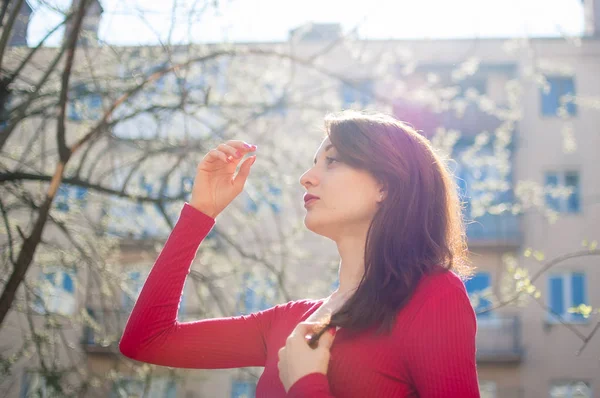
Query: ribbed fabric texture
x=430, y=353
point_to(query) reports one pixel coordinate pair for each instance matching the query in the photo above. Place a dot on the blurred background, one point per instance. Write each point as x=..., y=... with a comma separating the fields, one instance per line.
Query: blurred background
x=106, y=108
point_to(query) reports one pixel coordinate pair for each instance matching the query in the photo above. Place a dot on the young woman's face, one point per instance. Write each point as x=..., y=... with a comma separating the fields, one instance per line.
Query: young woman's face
x=348, y=197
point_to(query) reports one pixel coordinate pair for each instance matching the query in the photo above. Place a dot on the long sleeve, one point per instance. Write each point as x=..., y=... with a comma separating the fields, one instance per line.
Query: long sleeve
x=314, y=385
x=440, y=349
x=154, y=335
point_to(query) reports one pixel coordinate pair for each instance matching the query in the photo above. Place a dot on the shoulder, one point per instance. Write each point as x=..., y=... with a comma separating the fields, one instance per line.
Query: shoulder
x=440, y=283
x=296, y=308
x=441, y=291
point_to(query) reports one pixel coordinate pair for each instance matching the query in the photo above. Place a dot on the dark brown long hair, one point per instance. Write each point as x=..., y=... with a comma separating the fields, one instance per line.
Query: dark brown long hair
x=418, y=227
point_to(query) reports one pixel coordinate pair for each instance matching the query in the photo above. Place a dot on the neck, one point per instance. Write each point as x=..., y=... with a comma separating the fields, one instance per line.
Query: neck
x=352, y=267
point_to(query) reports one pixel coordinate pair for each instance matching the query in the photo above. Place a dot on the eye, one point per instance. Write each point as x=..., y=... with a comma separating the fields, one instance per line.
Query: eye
x=330, y=160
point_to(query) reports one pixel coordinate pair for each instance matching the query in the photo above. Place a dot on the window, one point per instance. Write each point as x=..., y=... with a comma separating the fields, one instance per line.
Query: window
x=84, y=104
x=35, y=385
x=271, y=199
x=479, y=177
x=276, y=99
x=68, y=195
x=56, y=293
x=147, y=188
x=562, y=191
x=159, y=387
x=358, y=94
x=570, y=389
x=479, y=289
x=566, y=291
x=478, y=84
x=258, y=294
x=559, y=87
x=185, y=189
x=335, y=284
x=487, y=389
x=243, y=389
x=132, y=289
x=158, y=85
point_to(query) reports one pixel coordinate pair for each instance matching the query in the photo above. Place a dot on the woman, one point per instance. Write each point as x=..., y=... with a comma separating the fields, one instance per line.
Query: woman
x=403, y=323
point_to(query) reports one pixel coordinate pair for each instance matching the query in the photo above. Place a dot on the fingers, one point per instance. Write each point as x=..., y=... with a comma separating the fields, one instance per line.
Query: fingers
x=304, y=328
x=214, y=155
x=327, y=338
x=236, y=149
x=241, y=145
x=242, y=175
x=229, y=152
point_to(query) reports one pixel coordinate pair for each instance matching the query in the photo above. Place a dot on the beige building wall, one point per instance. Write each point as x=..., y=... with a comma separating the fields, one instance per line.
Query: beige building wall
x=548, y=350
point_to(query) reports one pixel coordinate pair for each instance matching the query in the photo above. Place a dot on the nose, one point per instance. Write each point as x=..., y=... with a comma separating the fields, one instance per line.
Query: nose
x=308, y=179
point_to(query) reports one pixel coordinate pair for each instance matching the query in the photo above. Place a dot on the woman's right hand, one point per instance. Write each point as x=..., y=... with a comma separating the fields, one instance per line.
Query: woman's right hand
x=214, y=185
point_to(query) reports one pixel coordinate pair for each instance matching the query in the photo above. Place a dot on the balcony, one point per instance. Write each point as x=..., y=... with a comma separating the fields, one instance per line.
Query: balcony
x=499, y=339
x=104, y=336
x=502, y=230
x=504, y=392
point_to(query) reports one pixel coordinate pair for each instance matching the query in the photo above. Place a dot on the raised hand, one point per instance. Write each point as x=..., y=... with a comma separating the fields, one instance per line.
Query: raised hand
x=215, y=185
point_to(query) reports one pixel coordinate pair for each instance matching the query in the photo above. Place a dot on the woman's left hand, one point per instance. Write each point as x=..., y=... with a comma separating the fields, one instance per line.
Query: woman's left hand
x=297, y=359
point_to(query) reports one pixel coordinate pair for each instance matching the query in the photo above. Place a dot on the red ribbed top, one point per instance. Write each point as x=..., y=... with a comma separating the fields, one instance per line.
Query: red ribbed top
x=430, y=353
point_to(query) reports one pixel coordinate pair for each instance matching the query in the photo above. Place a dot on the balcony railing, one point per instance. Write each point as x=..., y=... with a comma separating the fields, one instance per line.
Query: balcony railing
x=494, y=230
x=504, y=392
x=104, y=333
x=499, y=339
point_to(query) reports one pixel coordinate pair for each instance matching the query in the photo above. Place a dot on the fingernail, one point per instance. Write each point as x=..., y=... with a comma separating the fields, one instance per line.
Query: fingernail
x=249, y=146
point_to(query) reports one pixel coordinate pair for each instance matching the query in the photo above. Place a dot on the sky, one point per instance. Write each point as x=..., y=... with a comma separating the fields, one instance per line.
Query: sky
x=136, y=22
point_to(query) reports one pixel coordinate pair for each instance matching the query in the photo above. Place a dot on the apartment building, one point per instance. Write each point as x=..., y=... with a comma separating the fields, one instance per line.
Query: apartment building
x=536, y=98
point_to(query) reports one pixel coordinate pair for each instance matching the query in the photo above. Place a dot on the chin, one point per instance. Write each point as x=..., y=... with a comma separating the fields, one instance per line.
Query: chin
x=318, y=225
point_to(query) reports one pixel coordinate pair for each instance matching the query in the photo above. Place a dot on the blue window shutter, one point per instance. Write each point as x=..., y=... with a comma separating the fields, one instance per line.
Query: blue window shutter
x=366, y=91
x=335, y=284
x=249, y=294
x=568, y=88
x=550, y=99
x=62, y=198
x=572, y=182
x=559, y=87
x=348, y=95
x=95, y=101
x=251, y=205
x=275, y=194
x=477, y=284
x=80, y=193
x=243, y=389
x=552, y=182
x=171, y=390
x=186, y=184
x=50, y=277
x=578, y=291
x=557, y=304
x=68, y=283
x=135, y=281
x=270, y=287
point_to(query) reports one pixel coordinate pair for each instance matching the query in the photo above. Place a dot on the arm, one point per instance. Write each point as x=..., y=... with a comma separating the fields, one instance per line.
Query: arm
x=314, y=385
x=152, y=333
x=441, y=347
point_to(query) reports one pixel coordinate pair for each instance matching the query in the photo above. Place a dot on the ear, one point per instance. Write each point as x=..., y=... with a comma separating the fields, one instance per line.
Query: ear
x=382, y=193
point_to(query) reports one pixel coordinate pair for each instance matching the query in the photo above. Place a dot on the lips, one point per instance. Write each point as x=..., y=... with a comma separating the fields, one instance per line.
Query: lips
x=308, y=197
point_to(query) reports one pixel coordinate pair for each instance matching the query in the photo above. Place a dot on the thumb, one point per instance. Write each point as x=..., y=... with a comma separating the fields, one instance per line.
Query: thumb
x=242, y=175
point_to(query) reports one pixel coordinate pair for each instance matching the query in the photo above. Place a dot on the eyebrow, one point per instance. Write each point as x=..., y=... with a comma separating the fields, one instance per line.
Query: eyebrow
x=328, y=147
